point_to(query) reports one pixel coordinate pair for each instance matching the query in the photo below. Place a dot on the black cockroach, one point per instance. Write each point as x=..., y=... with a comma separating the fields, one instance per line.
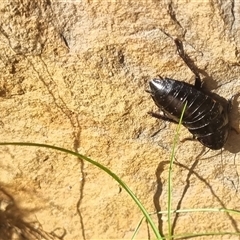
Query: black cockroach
x=205, y=117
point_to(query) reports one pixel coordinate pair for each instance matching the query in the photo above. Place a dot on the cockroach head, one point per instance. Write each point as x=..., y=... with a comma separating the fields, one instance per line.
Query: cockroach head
x=156, y=85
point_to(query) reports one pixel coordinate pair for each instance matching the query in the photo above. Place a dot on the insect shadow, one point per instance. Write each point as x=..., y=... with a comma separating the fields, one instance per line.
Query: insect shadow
x=232, y=145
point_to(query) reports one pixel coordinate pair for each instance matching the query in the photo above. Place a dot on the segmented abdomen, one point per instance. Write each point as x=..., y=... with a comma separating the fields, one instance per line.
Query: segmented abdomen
x=204, y=117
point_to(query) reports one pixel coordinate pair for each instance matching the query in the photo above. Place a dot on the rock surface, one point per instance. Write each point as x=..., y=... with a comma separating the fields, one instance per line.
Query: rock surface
x=74, y=75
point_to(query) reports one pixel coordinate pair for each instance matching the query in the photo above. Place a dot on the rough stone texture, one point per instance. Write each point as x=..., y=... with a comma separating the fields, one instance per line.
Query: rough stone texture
x=74, y=74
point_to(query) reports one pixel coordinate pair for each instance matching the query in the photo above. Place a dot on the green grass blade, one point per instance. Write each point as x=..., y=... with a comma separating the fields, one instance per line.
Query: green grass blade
x=137, y=228
x=224, y=210
x=195, y=235
x=105, y=169
x=170, y=173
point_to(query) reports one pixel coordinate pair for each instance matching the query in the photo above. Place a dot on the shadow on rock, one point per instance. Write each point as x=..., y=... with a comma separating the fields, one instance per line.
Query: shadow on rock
x=13, y=225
